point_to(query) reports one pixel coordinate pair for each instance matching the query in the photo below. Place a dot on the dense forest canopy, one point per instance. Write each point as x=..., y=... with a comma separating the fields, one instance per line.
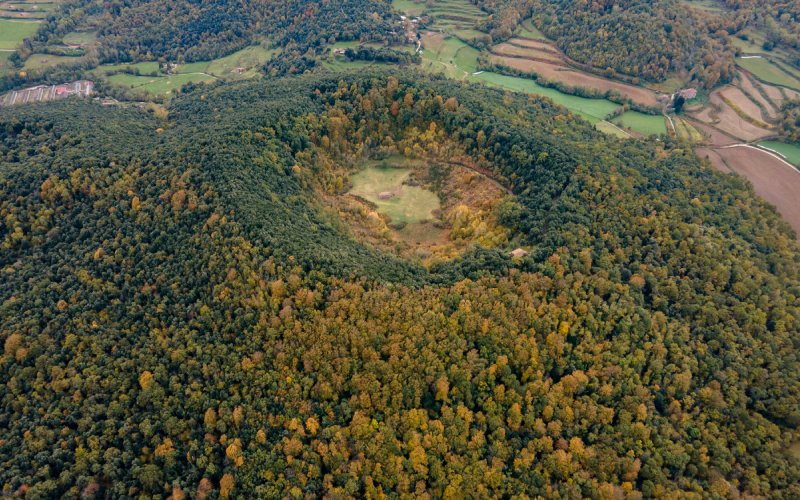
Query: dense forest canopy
x=180, y=316
x=642, y=38
x=201, y=30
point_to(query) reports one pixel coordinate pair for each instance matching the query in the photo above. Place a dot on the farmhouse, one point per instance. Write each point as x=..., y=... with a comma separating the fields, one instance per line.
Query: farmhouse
x=688, y=94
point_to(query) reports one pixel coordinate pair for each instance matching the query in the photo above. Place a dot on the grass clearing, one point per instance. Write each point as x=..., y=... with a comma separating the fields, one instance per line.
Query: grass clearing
x=611, y=129
x=13, y=32
x=407, y=205
x=4, y=60
x=448, y=55
x=144, y=68
x=250, y=59
x=765, y=70
x=39, y=61
x=80, y=38
x=791, y=152
x=409, y=7
x=528, y=30
x=157, y=85
x=593, y=110
x=642, y=123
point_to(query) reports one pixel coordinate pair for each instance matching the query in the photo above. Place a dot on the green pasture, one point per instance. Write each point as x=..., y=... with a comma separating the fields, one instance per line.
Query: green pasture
x=12, y=32
x=409, y=205
x=765, y=70
x=642, y=123
x=789, y=151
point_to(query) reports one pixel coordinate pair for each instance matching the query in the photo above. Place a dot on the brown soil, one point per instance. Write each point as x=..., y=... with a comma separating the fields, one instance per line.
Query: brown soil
x=774, y=93
x=715, y=136
x=560, y=73
x=750, y=86
x=534, y=44
x=510, y=50
x=715, y=159
x=773, y=180
x=729, y=121
x=791, y=94
x=744, y=103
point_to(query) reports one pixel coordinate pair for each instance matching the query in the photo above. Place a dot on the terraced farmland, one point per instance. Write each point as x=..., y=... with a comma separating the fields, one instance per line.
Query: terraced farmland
x=148, y=79
x=540, y=57
x=456, y=17
x=769, y=72
x=790, y=152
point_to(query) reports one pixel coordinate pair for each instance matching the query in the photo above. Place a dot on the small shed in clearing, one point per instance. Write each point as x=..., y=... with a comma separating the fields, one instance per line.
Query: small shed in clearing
x=518, y=253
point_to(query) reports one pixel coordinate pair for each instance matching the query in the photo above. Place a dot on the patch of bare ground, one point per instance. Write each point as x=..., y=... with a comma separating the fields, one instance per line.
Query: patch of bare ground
x=468, y=197
x=774, y=93
x=705, y=115
x=535, y=44
x=752, y=88
x=729, y=121
x=714, y=157
x=773, y=180
x=737, y=97
x=510, y=50
x=715, y=136
x=558, y=73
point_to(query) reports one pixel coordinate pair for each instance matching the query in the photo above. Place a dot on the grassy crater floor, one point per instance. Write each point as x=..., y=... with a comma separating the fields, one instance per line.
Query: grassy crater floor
x=384, y=185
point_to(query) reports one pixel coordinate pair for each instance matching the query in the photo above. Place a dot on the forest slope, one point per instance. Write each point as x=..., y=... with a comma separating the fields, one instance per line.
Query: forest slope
x=177, y=314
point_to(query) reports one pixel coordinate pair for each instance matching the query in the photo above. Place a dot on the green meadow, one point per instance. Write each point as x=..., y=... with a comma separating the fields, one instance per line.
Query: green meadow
x=765, y=70
x=789, y=151
x=408, y=204
x=642, y=123
x=12, y=32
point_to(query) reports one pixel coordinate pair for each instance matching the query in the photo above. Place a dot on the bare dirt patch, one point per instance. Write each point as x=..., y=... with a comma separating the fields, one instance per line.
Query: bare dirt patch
x=750, y=87
x=714, y=157
x=715, y=136
x=511, y=50
x=774, y=93
x=537, y=45
x=744, y=103
x=729, y=121
x=773, y=180
x=559, y=73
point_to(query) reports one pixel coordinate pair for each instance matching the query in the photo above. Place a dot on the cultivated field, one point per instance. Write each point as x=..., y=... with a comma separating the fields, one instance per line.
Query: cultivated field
x=730, y=111
x=544, y=59
x=756, y=91
x=151, y=80
x=790, y=152
x=773, y=180
x=80, y=38
x=642, y=123
x=26, y=10
x=528, y=30
x=41, y=61
x=13, y=32
x=769, y=72
x=448, y=55
x=456, y=17
x=593, y=110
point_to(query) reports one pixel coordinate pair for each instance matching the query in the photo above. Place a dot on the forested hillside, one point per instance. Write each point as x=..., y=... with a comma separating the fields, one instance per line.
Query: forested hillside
x=181, y=316
x=645, y=39
x=201, y=30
